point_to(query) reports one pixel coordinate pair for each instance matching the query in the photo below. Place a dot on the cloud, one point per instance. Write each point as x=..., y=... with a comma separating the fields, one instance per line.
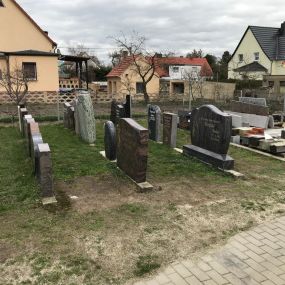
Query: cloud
x=180, y=25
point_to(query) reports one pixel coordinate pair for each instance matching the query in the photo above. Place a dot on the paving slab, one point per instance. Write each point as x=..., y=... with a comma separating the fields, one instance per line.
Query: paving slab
x=253, y=257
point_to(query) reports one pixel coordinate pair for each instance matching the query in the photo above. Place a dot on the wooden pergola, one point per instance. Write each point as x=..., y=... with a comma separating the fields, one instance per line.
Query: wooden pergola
x=78, y=60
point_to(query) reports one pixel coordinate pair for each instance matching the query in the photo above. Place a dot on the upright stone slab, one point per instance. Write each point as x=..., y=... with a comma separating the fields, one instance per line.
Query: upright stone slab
x=154, y=121
x=128, y=106
x=170, y=121
x=283, y=134
x=210, y=135
x=76, y=118
x=25, y=124
x=27, y=131
x=20, y=106
x=45, y=171
x=23, y=112
x=132, y=149
x=184, y=119
x=86, y=118
x=117, y=112
x=35, y=139
x=71, y=118
x=65, y=114
x=110, y=140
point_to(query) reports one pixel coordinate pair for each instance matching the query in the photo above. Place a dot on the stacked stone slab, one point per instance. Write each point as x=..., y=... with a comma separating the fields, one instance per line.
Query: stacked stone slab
x=38, y=151
x=85, y=125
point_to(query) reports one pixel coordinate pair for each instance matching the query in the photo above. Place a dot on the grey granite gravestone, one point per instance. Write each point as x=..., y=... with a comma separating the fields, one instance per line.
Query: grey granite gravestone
x=45, y=170
x=23, y=112
x=25, y=119
x=283, y=134
x=27, y=130
x=132, y=149
x=210, y=136
x=170, y=121
x=36, y=140
x=76, y=118
x=86, y=118
x=71, y=119
x=20, y=106
x=154, y=121
x=110, y=140
x=113, y=116
x=66, y=106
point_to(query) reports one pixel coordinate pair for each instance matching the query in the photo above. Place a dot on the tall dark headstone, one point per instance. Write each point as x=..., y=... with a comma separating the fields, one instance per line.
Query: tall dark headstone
x=23, y=112
x=170, y=121
x=184, y=119
x=210, y=135
x=110, y=140
x=154, y=121
x=113, y=115
x=132, y=149
x=128, y=106
x=283, y=134
x=66, y=106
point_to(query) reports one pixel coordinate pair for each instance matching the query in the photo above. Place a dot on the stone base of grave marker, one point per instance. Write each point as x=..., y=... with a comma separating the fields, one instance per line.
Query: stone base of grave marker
x=218, y=160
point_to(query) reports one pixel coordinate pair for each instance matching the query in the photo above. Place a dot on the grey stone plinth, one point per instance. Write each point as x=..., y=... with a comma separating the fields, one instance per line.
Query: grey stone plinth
x=217, y=160
x=170, y=122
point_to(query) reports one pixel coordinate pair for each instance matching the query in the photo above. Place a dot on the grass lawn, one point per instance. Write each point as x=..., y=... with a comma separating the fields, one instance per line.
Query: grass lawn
x=104, y=232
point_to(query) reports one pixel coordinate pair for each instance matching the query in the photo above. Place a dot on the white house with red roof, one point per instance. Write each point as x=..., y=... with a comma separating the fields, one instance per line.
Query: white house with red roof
x=169, y=72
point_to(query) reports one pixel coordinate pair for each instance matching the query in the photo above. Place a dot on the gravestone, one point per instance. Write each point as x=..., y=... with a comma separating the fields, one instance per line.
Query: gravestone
x=86, y=118
x=66, y=106
x=27, y=132
x=154, y=120
x=35, y=139
x=113, y=115
x=110, y=140
x=283, y=134
x=23, y=112
x=184, y=119
x=210, y=135
x=132, y=149
x=170, y=121
x=252, y=100
x=45, y=170
x=76, y=118
x=128, y=106
x=20, y=106
x=25, y=119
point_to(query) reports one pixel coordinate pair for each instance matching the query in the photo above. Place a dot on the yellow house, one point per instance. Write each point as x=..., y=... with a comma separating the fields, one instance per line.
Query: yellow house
x=24, y=45
x=168, y=76
x=260, y=55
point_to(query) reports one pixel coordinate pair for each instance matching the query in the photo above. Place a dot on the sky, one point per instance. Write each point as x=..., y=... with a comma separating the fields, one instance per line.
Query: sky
x=169, y=25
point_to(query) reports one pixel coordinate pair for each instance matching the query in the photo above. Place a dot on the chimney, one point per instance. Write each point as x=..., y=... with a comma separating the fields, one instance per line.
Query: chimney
x=282, y=29
x=158, y=55
x=181, y=56
x=46, y=32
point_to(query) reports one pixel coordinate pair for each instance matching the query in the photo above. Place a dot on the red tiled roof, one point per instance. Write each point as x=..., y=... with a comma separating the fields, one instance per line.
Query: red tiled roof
x=162, y=63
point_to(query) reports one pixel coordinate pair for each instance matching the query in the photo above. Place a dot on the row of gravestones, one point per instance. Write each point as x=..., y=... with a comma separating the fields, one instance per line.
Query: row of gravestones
x=210, y=131
x=37, y=150
x=210, y=136
x=79, y=116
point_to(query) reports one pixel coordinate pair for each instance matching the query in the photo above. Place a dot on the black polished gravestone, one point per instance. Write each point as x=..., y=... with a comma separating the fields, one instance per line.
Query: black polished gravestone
x=110, y=140
x=210, y=135
x=117, y=112
x=132, y=149
x=128, y=106
x=154, y=120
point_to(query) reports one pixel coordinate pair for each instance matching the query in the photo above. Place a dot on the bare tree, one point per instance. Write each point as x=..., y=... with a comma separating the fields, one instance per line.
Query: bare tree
x=15, y=84
x=143, y=62
x=195, y=82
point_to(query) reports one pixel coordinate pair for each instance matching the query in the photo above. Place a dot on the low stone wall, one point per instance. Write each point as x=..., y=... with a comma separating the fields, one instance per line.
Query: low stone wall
x=55, y=97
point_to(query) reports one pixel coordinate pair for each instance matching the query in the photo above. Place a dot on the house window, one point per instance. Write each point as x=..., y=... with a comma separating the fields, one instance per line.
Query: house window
x=30, y=70
x=240, y=57
x=139, y=87
x=175, y=69
x=1, y=3
x=256, y=56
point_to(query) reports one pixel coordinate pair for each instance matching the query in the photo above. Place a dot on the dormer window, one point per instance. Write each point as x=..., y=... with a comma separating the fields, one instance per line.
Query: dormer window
x=256, y=56
x=1, y=3
x=175, y=69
